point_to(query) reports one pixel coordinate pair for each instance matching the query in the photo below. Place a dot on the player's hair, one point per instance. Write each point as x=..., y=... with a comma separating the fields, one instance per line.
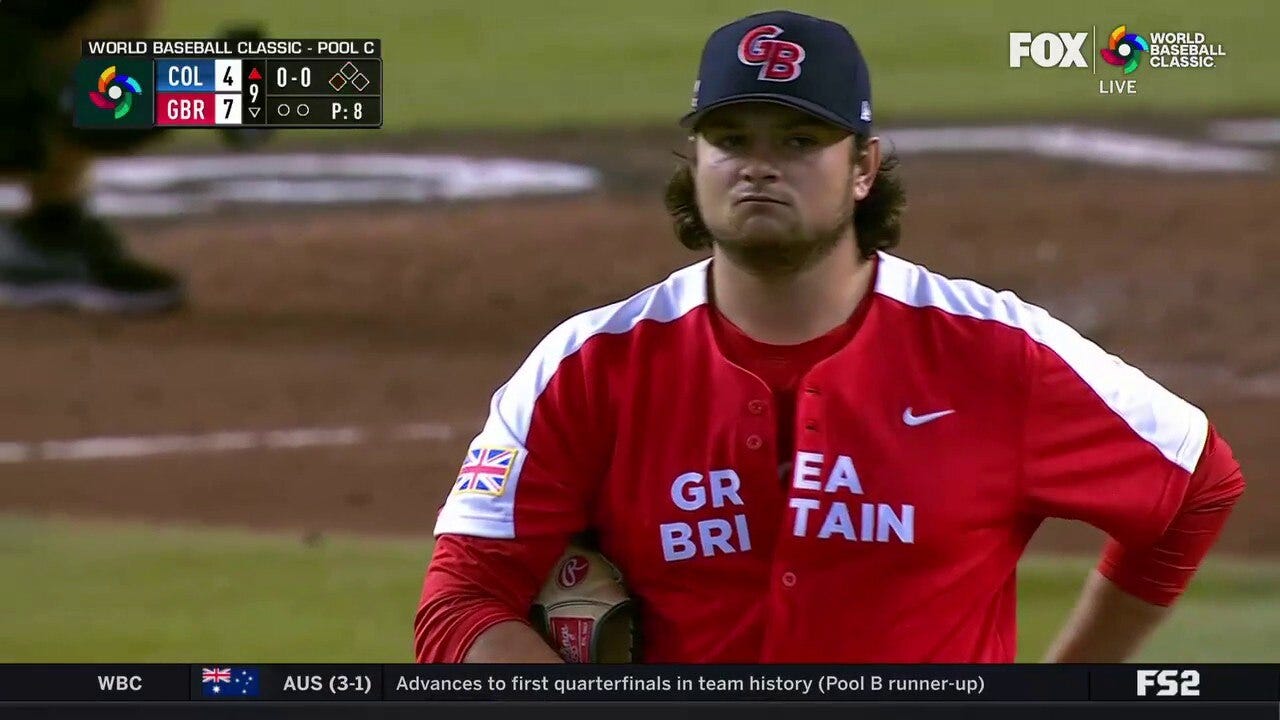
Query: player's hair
x=877, y=219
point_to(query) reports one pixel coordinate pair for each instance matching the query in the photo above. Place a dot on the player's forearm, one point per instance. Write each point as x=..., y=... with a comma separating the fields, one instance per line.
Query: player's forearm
x=1107, y=625
x=475, y=593
x=510, y=642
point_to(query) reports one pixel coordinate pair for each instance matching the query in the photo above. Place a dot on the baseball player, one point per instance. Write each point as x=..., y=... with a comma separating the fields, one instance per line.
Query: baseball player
x=59, y=253
x=807, y=449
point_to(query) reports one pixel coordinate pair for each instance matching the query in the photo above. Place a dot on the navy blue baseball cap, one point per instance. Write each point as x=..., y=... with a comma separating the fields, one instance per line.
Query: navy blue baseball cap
x=784, y=57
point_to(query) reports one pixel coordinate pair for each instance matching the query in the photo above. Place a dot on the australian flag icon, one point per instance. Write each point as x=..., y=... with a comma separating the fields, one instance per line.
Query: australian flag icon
x=228, y=682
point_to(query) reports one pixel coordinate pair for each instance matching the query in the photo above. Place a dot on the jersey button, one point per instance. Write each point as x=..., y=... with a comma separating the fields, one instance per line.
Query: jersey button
x=754, y=442
x=755, y=407
x=789, y=579
x=811, y=390
x=811, y=425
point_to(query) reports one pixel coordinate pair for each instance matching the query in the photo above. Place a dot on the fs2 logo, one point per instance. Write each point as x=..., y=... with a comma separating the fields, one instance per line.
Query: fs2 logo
x=1169, y=683
x=1051, y=49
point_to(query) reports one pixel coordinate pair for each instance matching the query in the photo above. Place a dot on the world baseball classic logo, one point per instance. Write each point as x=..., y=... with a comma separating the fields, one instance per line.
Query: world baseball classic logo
x=779, y=60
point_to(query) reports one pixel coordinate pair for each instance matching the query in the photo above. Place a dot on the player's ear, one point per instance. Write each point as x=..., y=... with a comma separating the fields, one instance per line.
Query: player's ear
x=866, y=165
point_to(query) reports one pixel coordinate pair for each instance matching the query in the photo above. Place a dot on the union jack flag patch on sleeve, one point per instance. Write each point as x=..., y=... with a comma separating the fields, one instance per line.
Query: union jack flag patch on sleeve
x=485, y=471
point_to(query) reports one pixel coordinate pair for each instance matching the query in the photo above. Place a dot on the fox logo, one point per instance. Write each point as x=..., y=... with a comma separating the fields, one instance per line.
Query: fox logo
x=779, y=60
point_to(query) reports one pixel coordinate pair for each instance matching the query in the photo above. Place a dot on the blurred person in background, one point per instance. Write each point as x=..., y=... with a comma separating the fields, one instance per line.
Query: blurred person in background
x=57, y=253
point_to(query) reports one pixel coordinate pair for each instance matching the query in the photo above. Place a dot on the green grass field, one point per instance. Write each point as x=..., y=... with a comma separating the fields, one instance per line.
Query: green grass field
x=449, y=63
x=93, y=592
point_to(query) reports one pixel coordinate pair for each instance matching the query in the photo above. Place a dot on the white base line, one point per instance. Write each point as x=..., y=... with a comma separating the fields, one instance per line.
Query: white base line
x=1085, y=144
x=1261, y=131
x=179, y=186
x=106, y=448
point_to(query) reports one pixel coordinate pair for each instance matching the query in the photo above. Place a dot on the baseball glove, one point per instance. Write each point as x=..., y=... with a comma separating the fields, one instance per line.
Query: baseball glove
x=584, y=612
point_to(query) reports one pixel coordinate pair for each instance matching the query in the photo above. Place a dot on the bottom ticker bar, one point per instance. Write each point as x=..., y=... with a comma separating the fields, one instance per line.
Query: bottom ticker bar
x=692, y=684
x=643, y=711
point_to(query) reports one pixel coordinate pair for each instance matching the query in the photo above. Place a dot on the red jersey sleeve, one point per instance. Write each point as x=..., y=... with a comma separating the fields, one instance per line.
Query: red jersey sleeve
x=1160, y=573
x=524, y=488
x=1102, y=442
x=473, y=584
x=533, y=468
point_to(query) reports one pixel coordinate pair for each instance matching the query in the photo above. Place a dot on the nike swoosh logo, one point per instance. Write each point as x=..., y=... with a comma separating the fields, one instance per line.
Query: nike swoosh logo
x=914, y=420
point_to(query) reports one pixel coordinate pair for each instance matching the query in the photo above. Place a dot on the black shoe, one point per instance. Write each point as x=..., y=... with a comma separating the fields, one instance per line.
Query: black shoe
x=62, y=257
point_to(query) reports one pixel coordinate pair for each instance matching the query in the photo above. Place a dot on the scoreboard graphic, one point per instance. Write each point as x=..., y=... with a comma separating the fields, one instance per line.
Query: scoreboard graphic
x=322, y=83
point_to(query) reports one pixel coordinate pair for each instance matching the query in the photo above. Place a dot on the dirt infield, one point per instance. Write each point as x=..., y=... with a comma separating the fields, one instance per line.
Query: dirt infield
x=393, y=315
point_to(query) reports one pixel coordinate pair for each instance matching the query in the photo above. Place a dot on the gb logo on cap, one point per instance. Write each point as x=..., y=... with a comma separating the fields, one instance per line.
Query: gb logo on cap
x=779, y=60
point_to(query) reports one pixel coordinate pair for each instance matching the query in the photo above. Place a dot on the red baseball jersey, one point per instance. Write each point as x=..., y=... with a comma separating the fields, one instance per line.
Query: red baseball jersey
x=928, y=448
